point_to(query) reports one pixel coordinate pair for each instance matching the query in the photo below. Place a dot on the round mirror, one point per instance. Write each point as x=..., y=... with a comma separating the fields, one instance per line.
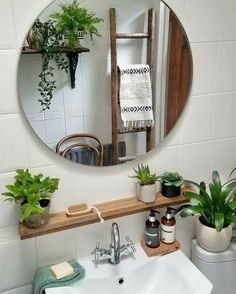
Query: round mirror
x=104, y=84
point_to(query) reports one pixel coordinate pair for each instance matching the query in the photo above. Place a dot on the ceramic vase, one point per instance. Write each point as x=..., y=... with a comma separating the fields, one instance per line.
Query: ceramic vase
x=211, y=240
x=146, y=193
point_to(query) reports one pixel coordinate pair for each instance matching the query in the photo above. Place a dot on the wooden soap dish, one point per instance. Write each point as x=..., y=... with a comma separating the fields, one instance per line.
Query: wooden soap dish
x=162, y=249
x=78, y=209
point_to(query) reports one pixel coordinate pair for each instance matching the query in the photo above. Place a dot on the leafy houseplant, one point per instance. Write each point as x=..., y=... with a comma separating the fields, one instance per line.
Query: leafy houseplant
x=171, y=183
x=45, y=37
x=146, y=186
x=72, y=18
x=217, y=210
x=34, y=194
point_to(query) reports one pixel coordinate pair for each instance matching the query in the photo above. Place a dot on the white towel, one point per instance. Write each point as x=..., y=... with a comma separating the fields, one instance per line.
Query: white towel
x=136, y=95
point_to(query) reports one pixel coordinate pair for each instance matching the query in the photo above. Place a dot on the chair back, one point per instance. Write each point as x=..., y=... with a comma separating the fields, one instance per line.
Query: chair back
x=98, y=149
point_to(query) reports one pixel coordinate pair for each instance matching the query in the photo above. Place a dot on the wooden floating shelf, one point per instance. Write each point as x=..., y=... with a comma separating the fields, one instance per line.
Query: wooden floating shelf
x=28, y=50
x=72, y=54
x=109, y=210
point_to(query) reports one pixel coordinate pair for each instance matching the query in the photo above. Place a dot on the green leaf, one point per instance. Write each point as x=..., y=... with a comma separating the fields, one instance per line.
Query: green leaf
x=191, y=210
x=200, y=198
x=25, y=211
x=219, y=221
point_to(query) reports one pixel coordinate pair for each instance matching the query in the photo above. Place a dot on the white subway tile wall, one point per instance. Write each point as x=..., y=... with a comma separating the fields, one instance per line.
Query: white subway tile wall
x=203, y=139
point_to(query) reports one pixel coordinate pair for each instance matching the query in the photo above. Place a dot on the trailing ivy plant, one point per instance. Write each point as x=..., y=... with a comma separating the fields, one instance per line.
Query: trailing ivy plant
x=49, y=40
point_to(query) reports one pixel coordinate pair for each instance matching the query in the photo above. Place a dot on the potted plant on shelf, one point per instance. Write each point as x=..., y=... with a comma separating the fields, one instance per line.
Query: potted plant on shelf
x=44, y=37
x=216, y=209
x=146, y=185
x=34, y=194
x=171, y=183
x=73, y=20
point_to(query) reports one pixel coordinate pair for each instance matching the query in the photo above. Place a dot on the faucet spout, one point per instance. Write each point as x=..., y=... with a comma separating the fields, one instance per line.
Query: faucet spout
x=115, y=244
x=115, y=250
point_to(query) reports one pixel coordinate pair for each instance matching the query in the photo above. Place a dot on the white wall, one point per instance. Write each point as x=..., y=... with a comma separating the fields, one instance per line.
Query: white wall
x=204, y=139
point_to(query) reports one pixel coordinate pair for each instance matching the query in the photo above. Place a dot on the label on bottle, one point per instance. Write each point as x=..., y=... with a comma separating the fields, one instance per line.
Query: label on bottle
x=167, y=234
x=152, y=239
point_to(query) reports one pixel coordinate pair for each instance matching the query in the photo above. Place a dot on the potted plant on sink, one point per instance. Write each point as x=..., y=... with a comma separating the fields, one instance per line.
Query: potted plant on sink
x=146, y=186
x=216, y=209
x=171, y=183
x=34, y=194
x=74, y=20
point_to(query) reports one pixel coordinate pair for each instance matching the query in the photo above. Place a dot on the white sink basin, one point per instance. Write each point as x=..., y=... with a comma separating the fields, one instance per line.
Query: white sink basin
x=139, y=274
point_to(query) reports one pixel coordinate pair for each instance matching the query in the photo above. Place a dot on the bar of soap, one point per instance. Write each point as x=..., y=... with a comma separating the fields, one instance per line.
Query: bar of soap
x=62, y=270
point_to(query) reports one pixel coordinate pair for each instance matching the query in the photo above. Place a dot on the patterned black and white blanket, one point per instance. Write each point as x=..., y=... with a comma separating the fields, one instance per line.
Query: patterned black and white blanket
x=136, y=95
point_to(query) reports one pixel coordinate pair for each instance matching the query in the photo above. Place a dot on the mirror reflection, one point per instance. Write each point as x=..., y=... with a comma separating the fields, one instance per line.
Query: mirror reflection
x=108, y=92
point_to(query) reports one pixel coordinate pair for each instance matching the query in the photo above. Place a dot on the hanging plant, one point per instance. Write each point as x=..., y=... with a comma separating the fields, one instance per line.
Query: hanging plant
x=48, y=40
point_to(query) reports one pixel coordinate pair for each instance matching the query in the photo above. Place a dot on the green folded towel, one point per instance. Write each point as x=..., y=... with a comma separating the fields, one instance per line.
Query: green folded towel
x=44, y=277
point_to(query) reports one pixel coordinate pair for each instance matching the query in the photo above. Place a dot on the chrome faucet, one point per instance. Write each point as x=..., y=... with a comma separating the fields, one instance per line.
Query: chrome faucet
x=114, y=253
x=115, y=244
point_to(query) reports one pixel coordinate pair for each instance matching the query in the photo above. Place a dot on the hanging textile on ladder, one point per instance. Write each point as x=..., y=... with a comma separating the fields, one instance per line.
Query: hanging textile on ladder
x=136, y=96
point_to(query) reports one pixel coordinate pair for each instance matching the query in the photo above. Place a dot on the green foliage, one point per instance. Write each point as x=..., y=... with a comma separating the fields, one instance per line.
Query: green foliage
x=171, y=179
x=45, y=37
x=28, y=190
x=217, y=207
x=73, y=18
x=144, y=176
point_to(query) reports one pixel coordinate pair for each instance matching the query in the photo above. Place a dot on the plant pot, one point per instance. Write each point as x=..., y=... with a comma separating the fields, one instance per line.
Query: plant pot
x=80, y=39
x=211, y=240
x=37, y=220
x=170, y=191
x=146, y=193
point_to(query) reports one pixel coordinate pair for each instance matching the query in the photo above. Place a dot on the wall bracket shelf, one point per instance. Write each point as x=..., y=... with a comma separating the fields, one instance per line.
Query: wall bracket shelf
x=73, y=56
x=109, y=210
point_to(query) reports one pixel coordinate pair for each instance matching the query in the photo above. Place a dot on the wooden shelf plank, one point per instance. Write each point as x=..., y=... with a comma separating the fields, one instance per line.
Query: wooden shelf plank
x=27, y=50
x=132, y=130
x=132, y=35
x=109, y=210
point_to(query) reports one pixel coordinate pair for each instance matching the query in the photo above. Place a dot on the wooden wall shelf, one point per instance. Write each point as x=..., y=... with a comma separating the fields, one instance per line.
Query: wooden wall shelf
x=72, y=54
x=109, y=210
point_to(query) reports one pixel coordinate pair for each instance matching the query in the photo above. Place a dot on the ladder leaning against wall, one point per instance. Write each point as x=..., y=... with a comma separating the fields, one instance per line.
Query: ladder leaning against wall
x=114, y=81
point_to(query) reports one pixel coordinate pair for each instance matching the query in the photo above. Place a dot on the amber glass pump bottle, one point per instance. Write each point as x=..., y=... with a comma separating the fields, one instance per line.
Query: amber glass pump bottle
x=168, y=223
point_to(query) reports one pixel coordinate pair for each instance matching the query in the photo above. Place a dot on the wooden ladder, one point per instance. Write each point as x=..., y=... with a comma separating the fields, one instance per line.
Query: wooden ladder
x=114, y=80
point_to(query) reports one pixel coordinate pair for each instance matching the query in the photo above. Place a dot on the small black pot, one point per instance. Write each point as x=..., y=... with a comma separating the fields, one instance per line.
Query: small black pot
x=170, y=191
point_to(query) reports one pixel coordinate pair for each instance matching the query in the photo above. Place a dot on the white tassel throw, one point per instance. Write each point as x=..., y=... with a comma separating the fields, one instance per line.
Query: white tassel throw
x=136, y=96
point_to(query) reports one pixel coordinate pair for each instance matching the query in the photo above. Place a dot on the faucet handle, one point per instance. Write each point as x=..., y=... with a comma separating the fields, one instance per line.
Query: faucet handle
x=130, y=243
x=96, y=251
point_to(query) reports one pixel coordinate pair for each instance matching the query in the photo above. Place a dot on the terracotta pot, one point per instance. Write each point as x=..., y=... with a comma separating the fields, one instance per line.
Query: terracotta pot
x=146, y=193
x=211, y=240
x=37, y=220
x=170, y=191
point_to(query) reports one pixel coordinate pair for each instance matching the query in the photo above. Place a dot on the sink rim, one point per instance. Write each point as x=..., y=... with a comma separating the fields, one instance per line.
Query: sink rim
x=135, y=262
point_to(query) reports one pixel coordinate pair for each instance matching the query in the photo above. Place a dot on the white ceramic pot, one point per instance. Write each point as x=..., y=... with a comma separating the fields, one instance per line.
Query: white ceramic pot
x=211, y=240
x=146, y=193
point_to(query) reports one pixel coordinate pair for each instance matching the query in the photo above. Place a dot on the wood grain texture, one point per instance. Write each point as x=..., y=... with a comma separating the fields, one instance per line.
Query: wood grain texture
x=109, y=210
x=28, y=50
x=161, y=250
